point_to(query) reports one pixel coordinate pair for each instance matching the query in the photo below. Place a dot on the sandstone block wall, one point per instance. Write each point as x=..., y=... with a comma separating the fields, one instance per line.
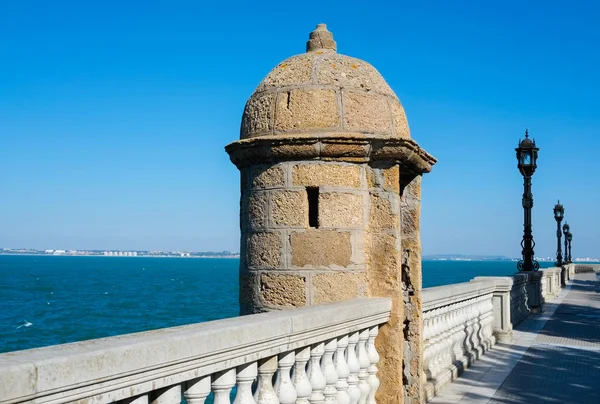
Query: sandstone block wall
x=287, y=261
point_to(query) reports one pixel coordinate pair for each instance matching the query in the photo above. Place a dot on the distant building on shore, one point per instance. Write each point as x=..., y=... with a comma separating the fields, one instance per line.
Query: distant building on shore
x=120, y=253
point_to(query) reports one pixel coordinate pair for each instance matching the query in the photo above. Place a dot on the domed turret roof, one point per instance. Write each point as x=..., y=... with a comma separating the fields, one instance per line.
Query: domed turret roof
x=322, y=93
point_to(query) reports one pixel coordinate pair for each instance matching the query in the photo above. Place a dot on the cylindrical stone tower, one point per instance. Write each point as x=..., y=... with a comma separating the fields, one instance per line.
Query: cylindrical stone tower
x=325, y=155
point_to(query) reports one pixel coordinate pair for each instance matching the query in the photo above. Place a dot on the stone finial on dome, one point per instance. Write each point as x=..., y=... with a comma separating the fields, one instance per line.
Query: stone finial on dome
x=321, y=39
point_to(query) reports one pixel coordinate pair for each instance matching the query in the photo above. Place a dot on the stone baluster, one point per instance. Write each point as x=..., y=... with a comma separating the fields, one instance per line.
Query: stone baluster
x=315, y=375
x=452, y=332
x=363, y=360
x=354, y=367
x=246, y=374
x=300, y=378
x=331, y=377
x=459, y=333
x=167, y=395
x=265, y=393
x=446, y=341
x=197, y=390
x=427, y=345
x=221, y=386
x=434, y=342
x=471, y=329
x=343, y=371
x=489, y=322
x=440, y=339
x=373, y=359
x=283, y=386
x=481, y=320
x=476, y=324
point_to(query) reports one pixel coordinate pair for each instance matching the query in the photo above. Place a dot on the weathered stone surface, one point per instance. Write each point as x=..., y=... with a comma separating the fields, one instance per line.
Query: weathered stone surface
x=264, y=250
x=321, y=40
x=306, y=109
x=366, y=113
x=343, y=72
x=411, y=250
x=320, y=248
x=258, y=115
x=399, y=120
x=257, y=210
x=289, y=208
x=377, y=81
x=391, y=178
x=326, y=174
x=292, y=71
x=244, y=178
x=341, y=210
x=385, y=265
x=338, y=286
x=268, y=176
x=283, y=290
x=343, y=149
x=411, y=220
x=383, y=213
x=374, y=177
x=295, y=151
x=413, y=189
x=390, y=346
x=248, y=292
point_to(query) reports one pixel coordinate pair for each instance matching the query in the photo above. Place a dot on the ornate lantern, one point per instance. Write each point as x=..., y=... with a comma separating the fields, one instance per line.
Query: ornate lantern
x=527, y=154
x=559, y=214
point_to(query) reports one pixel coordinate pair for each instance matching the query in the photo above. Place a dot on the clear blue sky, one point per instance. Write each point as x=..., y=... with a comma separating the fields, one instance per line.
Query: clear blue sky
x=113, y=115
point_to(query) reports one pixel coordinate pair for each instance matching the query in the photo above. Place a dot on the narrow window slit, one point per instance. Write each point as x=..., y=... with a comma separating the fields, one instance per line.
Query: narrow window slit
x=313, y=206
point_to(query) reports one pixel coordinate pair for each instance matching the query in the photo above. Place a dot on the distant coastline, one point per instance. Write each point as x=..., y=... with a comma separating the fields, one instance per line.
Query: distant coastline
x=116, y=253
x=464, y=257
x=236, y=255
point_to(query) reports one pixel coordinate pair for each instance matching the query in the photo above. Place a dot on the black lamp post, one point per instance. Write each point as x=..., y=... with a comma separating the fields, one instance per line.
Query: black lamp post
x=527, y=154
x=559, y=213
x=566, y=231
x=569, y=238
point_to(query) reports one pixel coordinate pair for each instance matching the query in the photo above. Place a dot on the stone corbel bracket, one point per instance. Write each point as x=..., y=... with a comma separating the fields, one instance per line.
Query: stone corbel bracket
x=353, y=148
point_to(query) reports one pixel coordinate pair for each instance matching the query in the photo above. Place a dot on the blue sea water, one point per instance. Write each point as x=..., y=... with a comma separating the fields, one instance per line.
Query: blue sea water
x=69, y=299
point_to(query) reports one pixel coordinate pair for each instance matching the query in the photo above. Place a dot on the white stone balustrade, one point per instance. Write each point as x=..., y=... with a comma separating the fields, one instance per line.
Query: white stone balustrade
x=462, y=321
x=335, y=340
x=458, y=329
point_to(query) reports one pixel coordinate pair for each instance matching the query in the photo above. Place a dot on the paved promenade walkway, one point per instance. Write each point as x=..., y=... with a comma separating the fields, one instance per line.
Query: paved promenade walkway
x=555, y=357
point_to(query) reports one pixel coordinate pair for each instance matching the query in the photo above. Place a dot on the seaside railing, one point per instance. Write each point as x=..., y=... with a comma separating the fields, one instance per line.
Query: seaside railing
x=462, y=321
x=318, y=354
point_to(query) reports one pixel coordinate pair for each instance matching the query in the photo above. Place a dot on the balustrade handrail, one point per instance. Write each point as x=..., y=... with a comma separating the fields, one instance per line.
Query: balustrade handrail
x=117, y=368
x=440, y=296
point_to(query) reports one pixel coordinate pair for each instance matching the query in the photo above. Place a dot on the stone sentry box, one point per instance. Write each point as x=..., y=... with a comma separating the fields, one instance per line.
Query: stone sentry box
x=330, y=200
